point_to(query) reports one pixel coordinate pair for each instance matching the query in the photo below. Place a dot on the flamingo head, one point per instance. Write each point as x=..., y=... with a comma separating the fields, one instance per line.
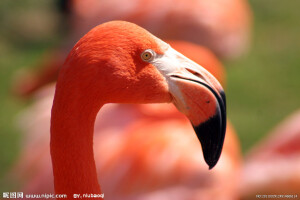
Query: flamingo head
x=120, y=62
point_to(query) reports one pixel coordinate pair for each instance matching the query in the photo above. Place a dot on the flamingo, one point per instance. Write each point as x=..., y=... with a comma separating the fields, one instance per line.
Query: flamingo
x=222, y=26
x=121, y=62
x=272, y=166
x=34, y=167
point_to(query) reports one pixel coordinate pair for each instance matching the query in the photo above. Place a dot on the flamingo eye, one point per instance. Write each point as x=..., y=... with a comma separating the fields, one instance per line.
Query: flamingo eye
x=147, y=55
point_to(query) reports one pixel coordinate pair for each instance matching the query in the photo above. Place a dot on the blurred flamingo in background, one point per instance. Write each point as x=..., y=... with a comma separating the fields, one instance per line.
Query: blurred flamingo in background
x=164, y=164
x=273, y=165
x=222, y=26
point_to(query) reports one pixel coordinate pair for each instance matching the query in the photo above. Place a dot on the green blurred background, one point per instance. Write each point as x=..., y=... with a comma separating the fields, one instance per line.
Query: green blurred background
x=263, y=86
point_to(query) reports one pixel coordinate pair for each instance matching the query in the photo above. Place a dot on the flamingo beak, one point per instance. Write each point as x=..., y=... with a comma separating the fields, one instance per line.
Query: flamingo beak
x=197, y=94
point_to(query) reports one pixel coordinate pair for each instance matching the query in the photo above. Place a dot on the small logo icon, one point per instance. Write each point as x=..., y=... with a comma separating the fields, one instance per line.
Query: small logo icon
x=6, y=195
x=13, y=195
x=19, y=194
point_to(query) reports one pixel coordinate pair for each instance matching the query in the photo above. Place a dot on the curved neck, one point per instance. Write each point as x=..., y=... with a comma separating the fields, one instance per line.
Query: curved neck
x=72, y=125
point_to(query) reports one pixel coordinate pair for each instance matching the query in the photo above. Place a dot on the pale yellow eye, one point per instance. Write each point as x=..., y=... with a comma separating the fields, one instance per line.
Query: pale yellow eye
x=147, y=55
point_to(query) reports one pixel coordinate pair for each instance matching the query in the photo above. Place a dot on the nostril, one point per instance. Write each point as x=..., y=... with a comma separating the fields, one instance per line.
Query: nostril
x=195, y=73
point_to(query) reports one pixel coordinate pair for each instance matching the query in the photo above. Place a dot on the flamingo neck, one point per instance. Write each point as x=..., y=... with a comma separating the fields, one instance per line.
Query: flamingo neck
x=72, y=127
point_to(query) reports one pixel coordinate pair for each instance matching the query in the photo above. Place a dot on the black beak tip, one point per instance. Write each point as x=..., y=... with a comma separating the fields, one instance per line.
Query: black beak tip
x=212, y=157
x=211, y=164
x=211, y=135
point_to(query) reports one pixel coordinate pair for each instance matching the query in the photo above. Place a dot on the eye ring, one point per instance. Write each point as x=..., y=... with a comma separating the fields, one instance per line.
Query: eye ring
x=147, y=55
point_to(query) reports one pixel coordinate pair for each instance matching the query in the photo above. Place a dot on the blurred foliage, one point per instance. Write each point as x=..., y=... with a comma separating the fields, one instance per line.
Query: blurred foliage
x=263, y=86
x=27, y=29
